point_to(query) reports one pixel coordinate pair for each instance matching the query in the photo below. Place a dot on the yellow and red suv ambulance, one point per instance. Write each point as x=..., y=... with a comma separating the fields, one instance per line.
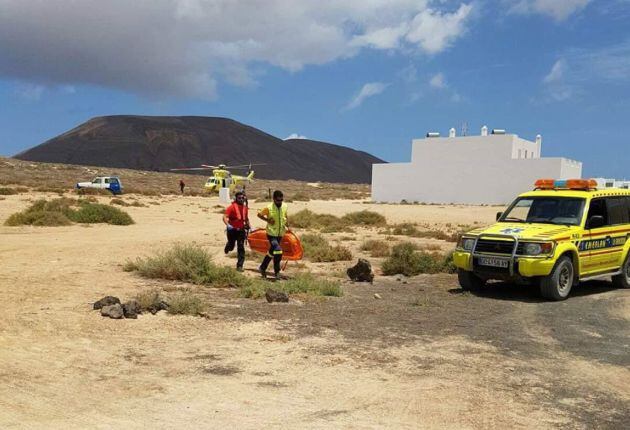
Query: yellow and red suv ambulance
x=561, y=233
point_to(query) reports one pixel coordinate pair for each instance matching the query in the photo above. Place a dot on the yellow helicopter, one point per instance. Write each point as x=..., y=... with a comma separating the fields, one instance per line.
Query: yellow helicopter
x=223, y=178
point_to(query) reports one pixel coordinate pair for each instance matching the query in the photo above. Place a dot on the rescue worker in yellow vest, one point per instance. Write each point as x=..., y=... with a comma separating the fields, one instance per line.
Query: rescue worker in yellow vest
x=275, y=215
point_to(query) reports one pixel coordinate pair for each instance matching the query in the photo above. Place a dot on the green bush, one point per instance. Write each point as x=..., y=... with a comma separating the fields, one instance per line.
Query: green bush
x=365, y=217
x=409, y=229
x=188, y=263
x=62, y=211
x=407, y=260
x=305, y=283
x=91, y=213
x=317, y=249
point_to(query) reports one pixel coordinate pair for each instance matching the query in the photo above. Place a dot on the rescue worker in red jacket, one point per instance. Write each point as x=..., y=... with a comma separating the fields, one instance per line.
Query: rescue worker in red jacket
x=236, y=219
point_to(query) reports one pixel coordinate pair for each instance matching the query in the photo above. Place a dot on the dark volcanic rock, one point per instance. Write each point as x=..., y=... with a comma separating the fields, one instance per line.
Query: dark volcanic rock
x=112, y=311
x=131, y=309
x=106, y=301
x=163, y=142
x=361, y=272
x=162, y=306
x=276, y=296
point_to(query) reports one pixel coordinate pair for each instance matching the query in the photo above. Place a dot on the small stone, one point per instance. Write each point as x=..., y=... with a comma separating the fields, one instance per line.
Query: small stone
x=106, y=301
x=276, y=296
x=112, y=311
x=361, y=272
x=131, y=309
x=377, y=296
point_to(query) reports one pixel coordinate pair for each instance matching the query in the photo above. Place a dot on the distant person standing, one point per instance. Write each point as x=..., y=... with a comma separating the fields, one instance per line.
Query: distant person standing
x=236, y=220
x=275, y=215
x=182, y=185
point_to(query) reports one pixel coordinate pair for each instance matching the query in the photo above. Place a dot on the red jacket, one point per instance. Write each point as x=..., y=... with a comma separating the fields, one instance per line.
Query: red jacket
x=238, y=216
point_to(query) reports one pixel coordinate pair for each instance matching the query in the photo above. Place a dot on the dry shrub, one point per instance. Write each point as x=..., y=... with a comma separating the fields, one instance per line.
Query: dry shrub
x=119, y=202
x=64, y=211
x=185, y=303
x=149, y=299
x=188, y=263
x=407, y=260
x=327, y=223
x=301, y=196
x=411, y=230
x=92, y=192
x=304, y=283
x=365, y=217
x=7, y=191
x=376, y=248
x=317, y=249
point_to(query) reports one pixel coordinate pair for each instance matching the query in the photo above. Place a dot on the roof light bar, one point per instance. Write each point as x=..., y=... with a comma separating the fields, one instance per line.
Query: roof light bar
x=570, y=184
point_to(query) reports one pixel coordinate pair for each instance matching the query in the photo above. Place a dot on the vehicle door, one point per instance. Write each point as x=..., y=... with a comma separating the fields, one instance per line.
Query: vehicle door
x=97, y=183
x=114, y=185
x=106, y=182
x=603, y=242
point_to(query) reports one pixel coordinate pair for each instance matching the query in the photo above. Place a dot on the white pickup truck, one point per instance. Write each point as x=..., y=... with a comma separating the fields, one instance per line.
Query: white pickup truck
x=110, y=183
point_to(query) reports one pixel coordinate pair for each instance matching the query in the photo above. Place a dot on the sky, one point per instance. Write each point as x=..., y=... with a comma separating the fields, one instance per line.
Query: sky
x=368, y=74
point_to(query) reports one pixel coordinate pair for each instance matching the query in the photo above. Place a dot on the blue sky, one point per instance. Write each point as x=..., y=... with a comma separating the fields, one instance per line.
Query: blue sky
x=371, y=75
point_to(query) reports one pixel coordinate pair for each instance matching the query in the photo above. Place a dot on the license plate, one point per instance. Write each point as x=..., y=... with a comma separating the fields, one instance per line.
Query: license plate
x=493, y=262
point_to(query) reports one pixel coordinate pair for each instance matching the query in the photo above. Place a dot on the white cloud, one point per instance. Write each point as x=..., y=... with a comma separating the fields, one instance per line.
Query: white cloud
x=368, y=90
x=556, y=72
x=556, y=9
x=183, y=48
x=438, y=81
x=295, y=136
x=579, y=69
x=434, y=31
x=30, y=92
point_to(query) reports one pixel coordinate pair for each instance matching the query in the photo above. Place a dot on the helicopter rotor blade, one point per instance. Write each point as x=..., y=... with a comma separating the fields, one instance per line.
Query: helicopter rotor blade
x=188, y=168
x=246, y=165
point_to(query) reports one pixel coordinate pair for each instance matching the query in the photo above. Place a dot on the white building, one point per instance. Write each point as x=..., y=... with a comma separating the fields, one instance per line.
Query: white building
x=612, y=183
x=490, y=168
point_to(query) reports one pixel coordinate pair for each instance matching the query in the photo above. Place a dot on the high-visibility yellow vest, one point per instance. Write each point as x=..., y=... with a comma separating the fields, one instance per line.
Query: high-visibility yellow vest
x=279, y=215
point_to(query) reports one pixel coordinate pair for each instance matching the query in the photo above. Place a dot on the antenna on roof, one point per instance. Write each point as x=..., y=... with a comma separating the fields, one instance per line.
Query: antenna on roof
x=464, y=128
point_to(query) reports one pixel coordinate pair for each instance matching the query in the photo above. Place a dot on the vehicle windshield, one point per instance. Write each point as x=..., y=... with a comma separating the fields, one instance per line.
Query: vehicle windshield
x=545, y=210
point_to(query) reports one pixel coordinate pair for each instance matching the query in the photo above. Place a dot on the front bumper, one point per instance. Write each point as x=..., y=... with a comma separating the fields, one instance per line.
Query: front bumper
x=517, y=265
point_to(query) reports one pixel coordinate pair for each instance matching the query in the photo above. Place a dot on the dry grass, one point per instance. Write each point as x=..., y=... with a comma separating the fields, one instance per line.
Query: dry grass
x=317, y=249
x=64, y=211
x=376, y=248
x=303, y=284
x=412, y=230
x=407, y=260
x=188, y=263
x=60, y=178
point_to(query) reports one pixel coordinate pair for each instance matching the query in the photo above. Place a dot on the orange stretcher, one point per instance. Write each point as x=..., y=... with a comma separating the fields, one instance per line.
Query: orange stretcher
x=290, y=244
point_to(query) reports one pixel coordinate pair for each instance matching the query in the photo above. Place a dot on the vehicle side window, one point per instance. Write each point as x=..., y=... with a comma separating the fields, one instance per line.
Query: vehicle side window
x=617, y=210
x=113, y=181
x=96, y=181
x=107, y=180
x=598, y=207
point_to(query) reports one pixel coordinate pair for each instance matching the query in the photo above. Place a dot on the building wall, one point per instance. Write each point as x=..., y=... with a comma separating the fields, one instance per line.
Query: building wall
x=471, y=169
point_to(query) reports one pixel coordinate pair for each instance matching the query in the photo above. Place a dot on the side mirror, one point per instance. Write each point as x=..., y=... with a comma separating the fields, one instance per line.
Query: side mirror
x=595, y=221
x=499, y=214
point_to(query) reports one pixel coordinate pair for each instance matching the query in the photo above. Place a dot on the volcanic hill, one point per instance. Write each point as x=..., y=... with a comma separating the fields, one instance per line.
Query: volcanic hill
x=160, y=143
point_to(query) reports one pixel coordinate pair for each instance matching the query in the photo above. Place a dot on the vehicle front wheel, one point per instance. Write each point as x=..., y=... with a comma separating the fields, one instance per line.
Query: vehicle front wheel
x=557, y=285
x=469, y=281
x=623, y=279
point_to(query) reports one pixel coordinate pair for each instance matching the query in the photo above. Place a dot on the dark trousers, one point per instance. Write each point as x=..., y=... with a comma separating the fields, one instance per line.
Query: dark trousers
x=236, y=237
x=275, y=253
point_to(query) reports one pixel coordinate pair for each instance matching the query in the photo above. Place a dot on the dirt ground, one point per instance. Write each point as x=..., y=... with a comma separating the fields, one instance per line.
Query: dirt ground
x=425, y=355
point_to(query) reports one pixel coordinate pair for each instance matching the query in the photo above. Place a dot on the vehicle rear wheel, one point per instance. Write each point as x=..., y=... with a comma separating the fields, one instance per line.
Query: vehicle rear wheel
x=469, y=281
x=557, y=285
x=623, y=279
